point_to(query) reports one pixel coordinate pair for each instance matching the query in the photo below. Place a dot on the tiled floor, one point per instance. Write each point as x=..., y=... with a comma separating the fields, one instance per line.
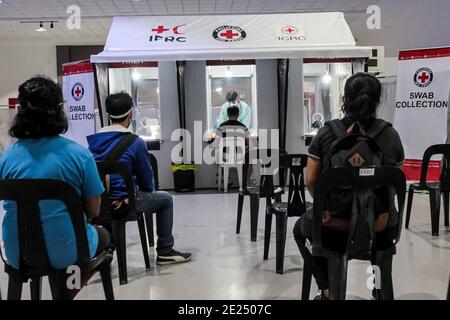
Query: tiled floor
x=229, y=266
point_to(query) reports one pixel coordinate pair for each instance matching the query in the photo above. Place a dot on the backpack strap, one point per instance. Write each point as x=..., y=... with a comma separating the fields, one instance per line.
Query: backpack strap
x=377, y=128
x=126, y=141
x=337, y=127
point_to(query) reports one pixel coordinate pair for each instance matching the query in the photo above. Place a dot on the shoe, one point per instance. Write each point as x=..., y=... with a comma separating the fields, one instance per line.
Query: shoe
x=173, y=257
x=321, y=296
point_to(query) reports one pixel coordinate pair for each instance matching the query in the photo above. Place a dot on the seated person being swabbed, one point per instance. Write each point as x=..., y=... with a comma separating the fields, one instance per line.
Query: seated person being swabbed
x=119, y=107
x=233, y=126
x=361, y=98
x=245, y=112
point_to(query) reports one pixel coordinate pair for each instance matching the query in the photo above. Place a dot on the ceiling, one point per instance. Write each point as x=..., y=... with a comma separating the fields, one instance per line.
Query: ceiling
x=96, y=14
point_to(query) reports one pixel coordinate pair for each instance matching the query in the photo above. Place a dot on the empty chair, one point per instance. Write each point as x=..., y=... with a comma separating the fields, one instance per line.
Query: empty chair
x=34, y=261
x=294, y=165
x=361, y=240
x=434, y=189
x=230, y=154
x=262, y=160
x=115, y=220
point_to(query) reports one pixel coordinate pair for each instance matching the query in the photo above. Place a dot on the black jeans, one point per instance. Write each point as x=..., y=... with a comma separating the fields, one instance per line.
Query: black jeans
x=104, y=239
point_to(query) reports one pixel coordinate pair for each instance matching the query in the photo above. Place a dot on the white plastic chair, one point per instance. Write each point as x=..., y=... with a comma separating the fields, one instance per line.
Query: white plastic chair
x=230, y=154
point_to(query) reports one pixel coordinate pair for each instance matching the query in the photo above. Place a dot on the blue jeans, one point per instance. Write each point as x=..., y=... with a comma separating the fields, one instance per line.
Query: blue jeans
x=161, y=203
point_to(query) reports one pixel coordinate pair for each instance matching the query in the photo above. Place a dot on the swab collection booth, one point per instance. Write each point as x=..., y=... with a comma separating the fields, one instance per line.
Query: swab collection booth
x=290, y=69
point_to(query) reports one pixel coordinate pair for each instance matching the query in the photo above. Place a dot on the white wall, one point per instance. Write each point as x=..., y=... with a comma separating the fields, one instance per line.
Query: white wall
x=20, y=62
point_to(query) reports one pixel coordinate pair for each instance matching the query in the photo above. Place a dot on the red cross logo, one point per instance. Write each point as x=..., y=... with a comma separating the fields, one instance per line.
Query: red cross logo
x=423, y=77
x=229, y=34
x=160, y=29
x=78, y=91
x=289, y=30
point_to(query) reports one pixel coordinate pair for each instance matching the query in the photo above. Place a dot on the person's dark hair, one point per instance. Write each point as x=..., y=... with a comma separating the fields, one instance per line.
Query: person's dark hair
x=231, y=96
x=362, y=95
x=118, y=104
x=233, y=111
x=40, y=113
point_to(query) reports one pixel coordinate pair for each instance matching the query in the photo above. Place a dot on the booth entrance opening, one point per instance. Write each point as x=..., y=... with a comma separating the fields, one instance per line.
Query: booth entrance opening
x=142, y=82
x=223, y=78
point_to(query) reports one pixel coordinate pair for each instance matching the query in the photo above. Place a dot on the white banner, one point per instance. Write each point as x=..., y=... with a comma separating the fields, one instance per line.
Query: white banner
x=421, y=108
x=79, y=95
x=229, y=37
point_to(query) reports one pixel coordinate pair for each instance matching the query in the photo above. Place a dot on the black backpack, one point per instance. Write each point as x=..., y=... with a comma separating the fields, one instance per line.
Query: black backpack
x=356, y=150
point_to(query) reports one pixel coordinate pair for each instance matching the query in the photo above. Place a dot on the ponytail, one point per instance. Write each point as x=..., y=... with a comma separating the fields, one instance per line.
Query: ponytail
x=362, y=95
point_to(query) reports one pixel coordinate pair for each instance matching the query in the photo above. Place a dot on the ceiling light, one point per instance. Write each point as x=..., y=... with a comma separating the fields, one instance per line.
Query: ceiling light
x=219, y=89
x=41, y=28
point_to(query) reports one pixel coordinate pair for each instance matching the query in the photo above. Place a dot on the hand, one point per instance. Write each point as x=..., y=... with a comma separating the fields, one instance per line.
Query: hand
x=116, y=204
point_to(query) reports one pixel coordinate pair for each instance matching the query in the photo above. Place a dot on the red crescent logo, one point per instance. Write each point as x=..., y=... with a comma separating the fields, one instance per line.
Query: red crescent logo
x=176, y=29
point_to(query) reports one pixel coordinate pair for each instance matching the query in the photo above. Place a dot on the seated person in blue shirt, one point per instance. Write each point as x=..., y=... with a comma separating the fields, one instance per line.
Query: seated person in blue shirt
x=119, y=107
x=245, y=112
x=41, y=153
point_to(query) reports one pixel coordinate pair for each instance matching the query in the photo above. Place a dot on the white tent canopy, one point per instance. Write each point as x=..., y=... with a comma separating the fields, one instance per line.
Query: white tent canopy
x=274, y=36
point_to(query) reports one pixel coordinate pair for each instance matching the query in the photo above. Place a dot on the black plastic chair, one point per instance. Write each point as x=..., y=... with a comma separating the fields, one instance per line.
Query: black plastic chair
x=115, y=220
x=262, y=158
x=361, y=244
x=435, y=189
x=294, y=165
x=34, y=262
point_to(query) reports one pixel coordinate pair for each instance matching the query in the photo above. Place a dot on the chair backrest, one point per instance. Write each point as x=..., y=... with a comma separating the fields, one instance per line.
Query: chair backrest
x=444, y=150
x=231, y=150
x=294, y=165
x=265, y=160
x=359, y=180
x=27, y=193
x=108, y=168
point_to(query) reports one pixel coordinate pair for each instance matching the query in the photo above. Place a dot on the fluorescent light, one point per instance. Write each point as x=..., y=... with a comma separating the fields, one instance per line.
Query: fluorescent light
x=219, y=89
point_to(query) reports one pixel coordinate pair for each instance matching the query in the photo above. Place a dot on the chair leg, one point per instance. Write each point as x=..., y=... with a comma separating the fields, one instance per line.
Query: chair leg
x=337, y=273
x=435, y=210
x=386, y=291
x=58, y=286
x=446, y=199
x=219, y=181
x=150, y=229
x=36, y=288
x=143, y=236
x=239, y=213
x=409, y=206
x=254, y=212
x=226, y=173
x=281, y=226
x=307, y=270
x=105, y=274
x=120, y=243
x=14, y=288
x=239, y=169
x=267, y=232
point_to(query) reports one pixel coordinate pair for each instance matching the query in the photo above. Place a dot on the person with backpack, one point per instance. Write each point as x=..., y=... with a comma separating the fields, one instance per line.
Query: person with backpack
x=358, y=140
x=118, y=143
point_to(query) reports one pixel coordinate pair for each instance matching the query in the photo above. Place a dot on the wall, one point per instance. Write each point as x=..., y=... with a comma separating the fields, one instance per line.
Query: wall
x=20, y=62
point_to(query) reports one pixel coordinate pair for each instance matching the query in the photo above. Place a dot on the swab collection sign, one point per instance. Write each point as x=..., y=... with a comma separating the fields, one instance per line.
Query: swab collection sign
x=421, y=107
x=78, y=88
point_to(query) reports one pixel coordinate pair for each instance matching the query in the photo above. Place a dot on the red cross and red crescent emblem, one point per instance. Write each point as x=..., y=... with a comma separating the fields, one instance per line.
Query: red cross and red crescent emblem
x=229, y=34
x=77, y=91
x=289, y=30
x=423, y=77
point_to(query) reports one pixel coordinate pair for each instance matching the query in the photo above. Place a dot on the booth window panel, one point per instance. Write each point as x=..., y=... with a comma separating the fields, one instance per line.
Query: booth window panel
x=323, y=88
x=223, y=79
x=142, y=83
